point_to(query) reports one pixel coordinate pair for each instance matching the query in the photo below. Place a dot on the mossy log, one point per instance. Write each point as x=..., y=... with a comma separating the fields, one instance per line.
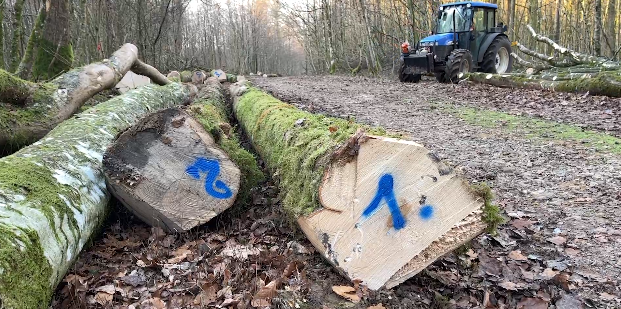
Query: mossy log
x=53, y=195
x=28, y=110
x=336, y=181
x=176, y=171
x=606, y=83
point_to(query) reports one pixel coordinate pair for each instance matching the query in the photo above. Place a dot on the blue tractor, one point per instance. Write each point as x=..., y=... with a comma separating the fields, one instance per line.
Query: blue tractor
x=466, y=38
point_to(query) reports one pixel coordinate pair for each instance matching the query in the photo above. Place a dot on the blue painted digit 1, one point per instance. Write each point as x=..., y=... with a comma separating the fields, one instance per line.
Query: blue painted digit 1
x=212, y=168
x=385, y=191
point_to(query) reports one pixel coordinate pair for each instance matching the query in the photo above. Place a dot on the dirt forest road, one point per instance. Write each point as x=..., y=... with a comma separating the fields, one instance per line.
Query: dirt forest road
x=552, y=159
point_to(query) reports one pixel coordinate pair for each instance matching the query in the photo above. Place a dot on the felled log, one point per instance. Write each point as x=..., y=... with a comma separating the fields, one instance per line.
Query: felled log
x=53, y=195
x=169, y=171
x=606, y=83
x=567, y=71
x=198, y=77
x=220, y=75
x=31, y=110
x=379, y=209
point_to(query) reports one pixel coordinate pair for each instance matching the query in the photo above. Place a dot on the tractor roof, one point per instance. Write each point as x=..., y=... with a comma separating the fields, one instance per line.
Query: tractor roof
x=474, y=4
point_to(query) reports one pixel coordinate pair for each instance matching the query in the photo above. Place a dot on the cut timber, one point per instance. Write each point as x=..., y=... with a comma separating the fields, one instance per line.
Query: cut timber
x=220, y=75
x=379, y=209
x=37, y=108
x=169, y=171
x=130, y=81
x=198, y=77
x=53, y=196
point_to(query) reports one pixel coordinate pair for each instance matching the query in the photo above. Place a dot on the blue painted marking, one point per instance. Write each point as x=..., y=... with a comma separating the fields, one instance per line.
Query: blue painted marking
x=385, y=191
x=426, y=212
x=212, y=168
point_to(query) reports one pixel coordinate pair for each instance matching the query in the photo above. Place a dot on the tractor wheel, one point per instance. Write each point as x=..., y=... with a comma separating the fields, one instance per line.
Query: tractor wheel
x=407, y=78
x=459, y=62
x=441, y=77
x=497, y=57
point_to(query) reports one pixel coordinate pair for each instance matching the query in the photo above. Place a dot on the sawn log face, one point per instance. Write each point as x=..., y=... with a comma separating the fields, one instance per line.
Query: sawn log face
x=170, y=172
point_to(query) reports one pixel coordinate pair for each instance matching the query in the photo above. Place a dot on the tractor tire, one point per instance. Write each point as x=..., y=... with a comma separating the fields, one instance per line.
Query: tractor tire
x=497, y=58
x=441, y=77
x=407, y=78
x=459, y=62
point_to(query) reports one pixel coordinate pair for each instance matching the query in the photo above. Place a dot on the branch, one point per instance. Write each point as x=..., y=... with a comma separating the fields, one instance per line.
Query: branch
x=142, y=68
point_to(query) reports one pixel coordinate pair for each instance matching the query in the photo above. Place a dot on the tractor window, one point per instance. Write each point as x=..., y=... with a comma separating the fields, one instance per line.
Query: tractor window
x=479, y=20
x=490, y=19
x=462, y=19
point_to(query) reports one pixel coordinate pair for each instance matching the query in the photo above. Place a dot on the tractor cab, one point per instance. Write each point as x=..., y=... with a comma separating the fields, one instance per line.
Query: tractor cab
x=465, y=39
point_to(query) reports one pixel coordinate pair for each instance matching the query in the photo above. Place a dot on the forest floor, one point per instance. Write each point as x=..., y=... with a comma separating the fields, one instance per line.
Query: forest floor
x=552, y=159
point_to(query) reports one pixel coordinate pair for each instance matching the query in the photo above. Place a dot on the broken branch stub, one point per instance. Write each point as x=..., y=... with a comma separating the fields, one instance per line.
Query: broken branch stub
x=379, y=209
x=169, y=171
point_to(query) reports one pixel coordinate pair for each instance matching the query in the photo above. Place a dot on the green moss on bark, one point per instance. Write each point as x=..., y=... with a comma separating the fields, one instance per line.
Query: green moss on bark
x=186, y=76
x=14, y=90
x=294, y=144
x=211, y=114
x=231, y=78
x=491, y=212
x=46, y=51
x=27, y=262
x=25, y=65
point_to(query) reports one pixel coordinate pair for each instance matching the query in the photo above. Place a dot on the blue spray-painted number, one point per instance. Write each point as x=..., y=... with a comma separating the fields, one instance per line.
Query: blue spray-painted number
x=212, y=168
x=385, y=191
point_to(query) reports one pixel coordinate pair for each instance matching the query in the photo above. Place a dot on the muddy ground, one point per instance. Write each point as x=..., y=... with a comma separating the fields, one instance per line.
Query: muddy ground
x=552, y=159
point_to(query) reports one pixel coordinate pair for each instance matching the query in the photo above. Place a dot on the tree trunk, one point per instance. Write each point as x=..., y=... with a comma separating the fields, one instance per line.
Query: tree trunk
x=17, y=35
x=200, y=180
x=37, y=108
x=335, y=181
x=597, y=29
x=611, y=35
x=598, y=83
x=53, y=195
x=54, y=51
x=25, y=66
x=2, y=64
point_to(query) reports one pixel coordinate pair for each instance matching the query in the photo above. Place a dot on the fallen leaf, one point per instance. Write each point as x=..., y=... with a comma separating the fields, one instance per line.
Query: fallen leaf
x=532, y=303
x=264, y=296
x=333, y=129
x=207, y=296
x=548, y=274
x=568, y=301
x=562, y=280
x=240, y=252
x=378, y=306
x=508, y=285
x=229, y=302
x=571, y=251
x=106, y=289
x=156, y=302
x=103, y=298
x=517, y=255
x=607, y=296
x=521, y=224
x=179, y=255
x=346, y=292
x=557, y=240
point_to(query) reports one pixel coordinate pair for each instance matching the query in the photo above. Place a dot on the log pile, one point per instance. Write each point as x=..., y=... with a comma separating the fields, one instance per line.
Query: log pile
x=379, y=209
x=567, y=71
x=53, y=195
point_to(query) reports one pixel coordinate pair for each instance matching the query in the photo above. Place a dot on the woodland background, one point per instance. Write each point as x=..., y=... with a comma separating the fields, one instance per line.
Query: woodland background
x=288, y=37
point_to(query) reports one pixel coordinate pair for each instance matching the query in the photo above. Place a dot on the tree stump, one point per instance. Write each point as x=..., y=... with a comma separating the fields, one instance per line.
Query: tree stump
x=169, y=171
x=379, y=209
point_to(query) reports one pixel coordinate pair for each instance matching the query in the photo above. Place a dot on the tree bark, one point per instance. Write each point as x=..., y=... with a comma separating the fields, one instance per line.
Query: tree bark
x=2, y=64
x=54, y=46
x=336, y=181
x=43, y=106
x=597, y=29
x=25, y=66
x=611, y=33
x=17, y=35
x=53, y=195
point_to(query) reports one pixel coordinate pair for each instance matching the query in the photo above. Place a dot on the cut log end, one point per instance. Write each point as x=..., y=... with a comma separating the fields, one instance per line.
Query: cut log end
x=170, y=173
x=390, y=212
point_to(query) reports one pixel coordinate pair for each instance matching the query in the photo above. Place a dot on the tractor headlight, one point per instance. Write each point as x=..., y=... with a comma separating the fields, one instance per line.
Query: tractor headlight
x=449, y=43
